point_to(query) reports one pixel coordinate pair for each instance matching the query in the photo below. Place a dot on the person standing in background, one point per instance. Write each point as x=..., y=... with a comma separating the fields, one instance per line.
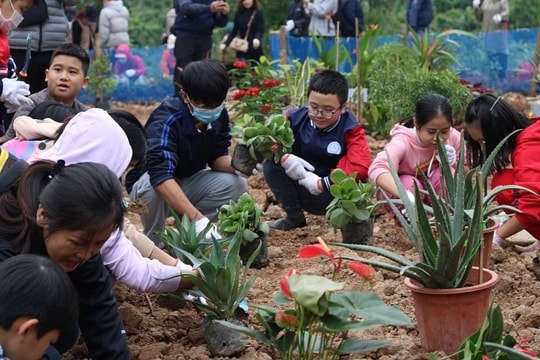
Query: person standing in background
x=195, y=21
x=351, y=10
x=297, y=19
x=321, y=11
x=419, y=15
x=113, y=26
x=83, y=27
x=494, y=15
x=248, y=21
x=46, y=34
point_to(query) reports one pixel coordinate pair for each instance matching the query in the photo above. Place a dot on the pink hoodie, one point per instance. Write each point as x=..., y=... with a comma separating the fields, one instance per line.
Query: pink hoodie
x=407, y=153
x=94, y=136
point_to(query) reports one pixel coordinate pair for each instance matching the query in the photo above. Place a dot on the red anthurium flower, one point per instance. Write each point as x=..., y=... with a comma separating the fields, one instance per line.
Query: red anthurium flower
x=523, y=346
x=268, y=83
x=265, y=109
x=284, y=320
x=316, y=250
x=485, y=357
x=238, y=94
x=284, y=285
x=364, y=270
x=240, y=64
x=254, y=91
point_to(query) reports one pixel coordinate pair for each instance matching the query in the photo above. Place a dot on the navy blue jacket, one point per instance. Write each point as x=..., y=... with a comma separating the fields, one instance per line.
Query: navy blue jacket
x=194, y=17
x=176, y=148
x=351, y=9
x=99, y=318
x=419, y=14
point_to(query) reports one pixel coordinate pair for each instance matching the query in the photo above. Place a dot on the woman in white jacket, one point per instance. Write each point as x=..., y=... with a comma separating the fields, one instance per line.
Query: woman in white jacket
x=113, y=25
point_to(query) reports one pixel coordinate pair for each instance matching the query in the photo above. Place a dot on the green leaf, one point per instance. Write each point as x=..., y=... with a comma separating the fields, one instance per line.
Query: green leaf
x=308, y=291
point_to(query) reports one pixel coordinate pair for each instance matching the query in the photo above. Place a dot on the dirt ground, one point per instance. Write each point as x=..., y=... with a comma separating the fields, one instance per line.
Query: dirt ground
x=161, y=327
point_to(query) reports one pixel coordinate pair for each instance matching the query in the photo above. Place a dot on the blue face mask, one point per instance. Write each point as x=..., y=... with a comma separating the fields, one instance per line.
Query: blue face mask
x=206, y=116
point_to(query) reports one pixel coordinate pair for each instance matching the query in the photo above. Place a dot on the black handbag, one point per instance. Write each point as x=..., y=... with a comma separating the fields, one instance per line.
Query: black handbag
x=36, y=14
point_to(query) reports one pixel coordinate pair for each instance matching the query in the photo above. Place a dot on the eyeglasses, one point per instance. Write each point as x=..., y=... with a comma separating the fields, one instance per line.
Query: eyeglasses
x=326, y=114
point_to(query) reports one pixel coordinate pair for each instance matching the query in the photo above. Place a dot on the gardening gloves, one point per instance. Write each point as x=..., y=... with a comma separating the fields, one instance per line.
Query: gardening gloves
x=130, y=72
x=450, y=154
x=222, y=47
x=497, y=18
x=312, y=182
x=410, y=195
x=14, y=94
x=203, y=224
x=476, y=4
x=295, y=167
x=289, y=25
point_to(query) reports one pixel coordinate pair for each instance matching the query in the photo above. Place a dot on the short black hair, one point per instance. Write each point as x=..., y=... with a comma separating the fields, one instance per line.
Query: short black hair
x=134, y=131
x=35, y=287
x=206, y=81
x=330, y=82
x=53, y=110
x=70, y=49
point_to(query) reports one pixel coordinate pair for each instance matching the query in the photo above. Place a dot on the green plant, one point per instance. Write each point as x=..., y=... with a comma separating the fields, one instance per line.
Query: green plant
x=446, y=235
x=223, y=281
x=330, y=56
x=101, y=82
x=352, y=200
x=242, y=219
x=489, y=342
x=322, y=315
x=296, y=76
x=270, y=140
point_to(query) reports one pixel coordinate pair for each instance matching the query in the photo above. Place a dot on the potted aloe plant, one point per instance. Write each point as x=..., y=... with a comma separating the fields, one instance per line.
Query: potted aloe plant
x=451, y=296
x=351, y=207
x=262, y=141
x=242, y=219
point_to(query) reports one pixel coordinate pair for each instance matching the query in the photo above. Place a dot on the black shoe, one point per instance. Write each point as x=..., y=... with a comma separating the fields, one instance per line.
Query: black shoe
x=287, y=223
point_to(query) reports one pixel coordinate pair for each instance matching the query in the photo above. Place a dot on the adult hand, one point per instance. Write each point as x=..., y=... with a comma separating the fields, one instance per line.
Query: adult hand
x=203, y=224
x=222, y=47
x=497, y=18
x=289, y=25
x=476, y=4
x=295, y=167
x=450, y=154
x=312, y=182
x=130, y=72
x=256, y=43
x=15, y=93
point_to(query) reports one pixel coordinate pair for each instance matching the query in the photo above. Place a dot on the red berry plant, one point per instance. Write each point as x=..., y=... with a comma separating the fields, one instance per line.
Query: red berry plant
x=316, y=317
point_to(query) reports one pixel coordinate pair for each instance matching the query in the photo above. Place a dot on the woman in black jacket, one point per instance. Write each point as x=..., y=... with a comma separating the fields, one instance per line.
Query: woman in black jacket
x=297, y=19
x=67, y=213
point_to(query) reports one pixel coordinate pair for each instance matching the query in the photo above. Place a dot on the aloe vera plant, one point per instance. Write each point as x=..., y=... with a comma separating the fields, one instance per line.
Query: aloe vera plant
x=446, y=235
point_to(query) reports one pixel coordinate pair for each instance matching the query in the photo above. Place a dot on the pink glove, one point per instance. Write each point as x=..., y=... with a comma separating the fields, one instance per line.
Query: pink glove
x=295, y=167
x=312, y=182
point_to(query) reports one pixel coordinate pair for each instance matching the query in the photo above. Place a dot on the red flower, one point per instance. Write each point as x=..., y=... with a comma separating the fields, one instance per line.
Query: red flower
x=268, y=83
x=253, y=91
x=274, y=148
x=316, y=250
x=485, y=357
x=240, y=64
x=238, y=94
x=364, y=270
x=284, y=285
x=285, y=320
x=523, y=346
x=266, y=108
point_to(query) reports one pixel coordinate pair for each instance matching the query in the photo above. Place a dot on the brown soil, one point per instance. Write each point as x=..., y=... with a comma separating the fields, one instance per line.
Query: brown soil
x=161, y=327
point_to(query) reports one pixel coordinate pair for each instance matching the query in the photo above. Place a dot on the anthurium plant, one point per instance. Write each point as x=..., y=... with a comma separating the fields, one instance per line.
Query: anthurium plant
x=353, y=201
x=243, y=219
x=446, y=235
x=316, y=316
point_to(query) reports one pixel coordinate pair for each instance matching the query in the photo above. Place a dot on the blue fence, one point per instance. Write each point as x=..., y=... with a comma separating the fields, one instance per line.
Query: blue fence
x=473, y=63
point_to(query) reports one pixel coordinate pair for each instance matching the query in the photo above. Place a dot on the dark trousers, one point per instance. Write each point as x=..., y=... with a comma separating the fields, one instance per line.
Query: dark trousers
x=294, y=198
x=36, y=69
x=188, y=48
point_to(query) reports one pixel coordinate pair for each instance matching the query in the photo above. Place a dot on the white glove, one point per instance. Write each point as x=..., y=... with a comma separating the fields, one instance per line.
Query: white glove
x=10, y=108
x=295, y=167
x=289, y=25
x=130, y=72
x=15, y=92
x=410, y=195
x=222, y=47
x=476, y=4
x=497, y=240
x=183, y=267
x=497, y=18
x=211, y=230
x=312, y=182
x=450, y=154
x=256, y=43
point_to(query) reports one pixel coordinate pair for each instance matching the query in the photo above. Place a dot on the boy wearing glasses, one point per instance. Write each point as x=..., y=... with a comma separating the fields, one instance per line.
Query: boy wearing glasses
x=326, y=136
x=188, y=166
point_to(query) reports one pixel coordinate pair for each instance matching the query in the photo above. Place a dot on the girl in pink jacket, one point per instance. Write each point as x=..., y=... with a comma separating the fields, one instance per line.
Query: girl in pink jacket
x=413, y=147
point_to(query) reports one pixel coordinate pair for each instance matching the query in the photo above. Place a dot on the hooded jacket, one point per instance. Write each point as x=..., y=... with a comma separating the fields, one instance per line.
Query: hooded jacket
x=134, y=62
x=408, y=154
x=93, y=136
x=113, y=24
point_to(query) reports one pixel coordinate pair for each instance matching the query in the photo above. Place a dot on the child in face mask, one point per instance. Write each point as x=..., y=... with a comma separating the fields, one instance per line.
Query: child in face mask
x=13, y=93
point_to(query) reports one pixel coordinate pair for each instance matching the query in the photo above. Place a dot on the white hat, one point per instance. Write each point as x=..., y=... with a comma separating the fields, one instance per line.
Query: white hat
x=170, y=41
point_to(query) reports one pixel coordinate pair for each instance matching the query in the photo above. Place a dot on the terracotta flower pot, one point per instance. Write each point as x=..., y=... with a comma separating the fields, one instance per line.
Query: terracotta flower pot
x=488, y=232
x=357, y=232
x=445, y=317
